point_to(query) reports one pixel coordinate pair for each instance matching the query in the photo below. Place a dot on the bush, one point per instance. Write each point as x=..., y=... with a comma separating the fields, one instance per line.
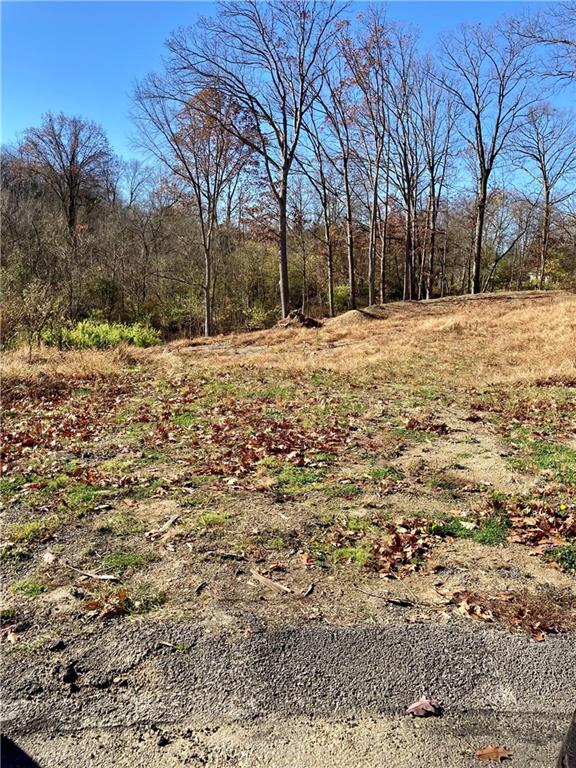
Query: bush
x=258, y=316
x=90, y=334
x=341, y=298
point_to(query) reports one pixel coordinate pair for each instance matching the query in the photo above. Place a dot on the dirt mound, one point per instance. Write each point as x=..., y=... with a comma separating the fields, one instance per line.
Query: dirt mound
x=297, y=319
x=351, y=318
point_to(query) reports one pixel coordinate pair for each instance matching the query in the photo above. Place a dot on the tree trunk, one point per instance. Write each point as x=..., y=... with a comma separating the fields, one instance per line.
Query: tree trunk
x=545, y=237
x=478, y=236
x=283, y=251
x=350, y=243
x=408, y=265
x=431, y=241
x=372, y=253
x=330, y=263
x=72, y=218
x=443, y=261
x=207, y=294
x=383, y=253
x=372, y=233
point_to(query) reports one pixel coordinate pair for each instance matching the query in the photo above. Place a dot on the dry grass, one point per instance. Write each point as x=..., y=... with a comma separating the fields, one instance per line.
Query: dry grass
x=50, y=364
x=480, y=340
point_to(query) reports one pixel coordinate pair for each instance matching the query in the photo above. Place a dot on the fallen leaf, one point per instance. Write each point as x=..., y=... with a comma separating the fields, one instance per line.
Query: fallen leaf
x=425, y=708
x=497, y=754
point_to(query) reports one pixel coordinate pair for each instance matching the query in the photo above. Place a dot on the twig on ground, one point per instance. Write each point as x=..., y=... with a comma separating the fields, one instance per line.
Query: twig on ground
x=265, y=581
x=90, y=575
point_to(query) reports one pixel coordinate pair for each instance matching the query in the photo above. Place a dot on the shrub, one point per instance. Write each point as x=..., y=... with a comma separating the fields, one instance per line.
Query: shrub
x=90, y=334
x=341, y=298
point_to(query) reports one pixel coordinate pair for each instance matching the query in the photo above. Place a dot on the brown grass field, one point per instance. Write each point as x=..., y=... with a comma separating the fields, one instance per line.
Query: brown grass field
x=407, y=462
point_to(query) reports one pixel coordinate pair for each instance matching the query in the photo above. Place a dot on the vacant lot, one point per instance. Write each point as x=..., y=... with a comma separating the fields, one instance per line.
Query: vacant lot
x=414, y=463
x=426, y=453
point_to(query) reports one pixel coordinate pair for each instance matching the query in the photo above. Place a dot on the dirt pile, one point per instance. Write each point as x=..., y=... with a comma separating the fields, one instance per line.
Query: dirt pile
x=352, y=318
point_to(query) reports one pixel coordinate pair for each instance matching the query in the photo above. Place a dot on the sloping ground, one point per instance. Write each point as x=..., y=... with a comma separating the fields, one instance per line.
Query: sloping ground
x=258, y=550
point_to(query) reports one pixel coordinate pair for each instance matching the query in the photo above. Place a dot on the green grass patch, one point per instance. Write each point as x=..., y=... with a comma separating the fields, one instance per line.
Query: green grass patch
x=385, y=473
x=122, y=525
x=28, y=588
x=145, y=489
x=324, y=458
x=412, y=435
x=81, y=497
x=145, y=598
x=344, y=491
x=11, y=484
x=558, y=459
x=359, y=523
x=291, y=479
x=120, y=464
x=14, y=556
x=211, y=519
x=443, y=483
x=491, y=530
x=121, y=561
x=32, y=530
x=565, y=556
x=188, y=419
x=358, y=556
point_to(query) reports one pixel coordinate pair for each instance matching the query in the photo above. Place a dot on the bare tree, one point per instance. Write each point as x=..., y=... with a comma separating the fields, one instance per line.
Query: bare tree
x=405, y=146
x=71, y=156
x=339, y=109
x=554, y=30
x=487, y=71
x=316, y=167
x=436, y=115
x=192, y=140
x=269, y=58
x=508, y=220
x=368, y=59
x=546, y=150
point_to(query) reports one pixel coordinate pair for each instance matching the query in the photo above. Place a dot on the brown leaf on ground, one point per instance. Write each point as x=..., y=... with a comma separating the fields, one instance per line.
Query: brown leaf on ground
x=425, y=708
x=408, y=544
x=536, y=614
x=108, y=607
x=497, y=754
x=427, y=424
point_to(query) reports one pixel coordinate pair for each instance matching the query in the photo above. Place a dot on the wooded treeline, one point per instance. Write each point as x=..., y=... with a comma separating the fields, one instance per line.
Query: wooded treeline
x=302, y=158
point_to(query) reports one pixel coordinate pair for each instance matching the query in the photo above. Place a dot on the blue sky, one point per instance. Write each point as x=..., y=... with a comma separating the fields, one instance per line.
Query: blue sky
x=82, y=58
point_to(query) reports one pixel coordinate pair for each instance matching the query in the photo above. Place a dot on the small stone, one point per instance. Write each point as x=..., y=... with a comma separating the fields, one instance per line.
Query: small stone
x=162, y=740
x=58, y=645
